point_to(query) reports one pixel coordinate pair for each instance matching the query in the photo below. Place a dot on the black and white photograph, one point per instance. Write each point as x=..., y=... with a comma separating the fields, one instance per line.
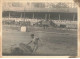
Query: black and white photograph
x=39, y=28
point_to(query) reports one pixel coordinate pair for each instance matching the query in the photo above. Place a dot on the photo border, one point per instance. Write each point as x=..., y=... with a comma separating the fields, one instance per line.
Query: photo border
x=78, y=40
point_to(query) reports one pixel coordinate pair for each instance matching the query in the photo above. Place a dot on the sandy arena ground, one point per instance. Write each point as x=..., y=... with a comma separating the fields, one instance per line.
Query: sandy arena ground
x=54, y=41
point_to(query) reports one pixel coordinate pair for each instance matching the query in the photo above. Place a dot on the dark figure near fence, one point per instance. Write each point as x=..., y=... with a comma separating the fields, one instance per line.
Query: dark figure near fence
x=45, y=24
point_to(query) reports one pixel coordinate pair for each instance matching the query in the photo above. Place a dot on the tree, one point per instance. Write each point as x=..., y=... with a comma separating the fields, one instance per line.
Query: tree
x=77, y=2
x=39, y=5
x=53, y=5
x=61, y=5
